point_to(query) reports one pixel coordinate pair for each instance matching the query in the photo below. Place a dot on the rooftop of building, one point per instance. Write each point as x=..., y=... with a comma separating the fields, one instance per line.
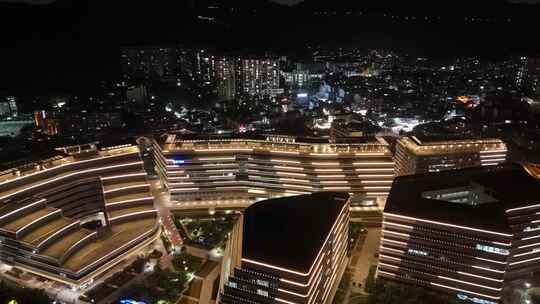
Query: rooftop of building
x=508, y=186
x=421, y=139
x=456, y=145
x=178, y=137
x=289, y=232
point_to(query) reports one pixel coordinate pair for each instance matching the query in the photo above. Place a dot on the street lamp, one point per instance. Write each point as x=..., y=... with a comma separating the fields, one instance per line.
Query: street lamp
x=527, y=284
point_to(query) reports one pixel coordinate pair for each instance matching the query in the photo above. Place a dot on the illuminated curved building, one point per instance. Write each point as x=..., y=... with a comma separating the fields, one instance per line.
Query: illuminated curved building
x=72, y=217
x=272, y=166
x=287, y=250
x=423, y=154
x=533, y=169
x=469, y=232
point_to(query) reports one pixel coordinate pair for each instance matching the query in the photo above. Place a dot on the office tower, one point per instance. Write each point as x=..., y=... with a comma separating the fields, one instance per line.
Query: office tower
x=72, y=217
x=257, y=77
x=287, y=250
x=225, y=78
x=421, y=154
x=469, y=232
x=149, y=64
x=256, y=166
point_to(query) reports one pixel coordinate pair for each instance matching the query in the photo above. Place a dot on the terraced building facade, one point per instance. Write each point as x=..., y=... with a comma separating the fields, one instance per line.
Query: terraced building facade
x=471, y=232
x=72, y=217
x=194, y=167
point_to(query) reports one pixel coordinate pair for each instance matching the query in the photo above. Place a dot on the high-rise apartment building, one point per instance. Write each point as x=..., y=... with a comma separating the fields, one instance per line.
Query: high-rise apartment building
x=421, y=154
x=146, y=64
x=257, y=77
x=225, y=78
x=469, y=232
x=287, y=250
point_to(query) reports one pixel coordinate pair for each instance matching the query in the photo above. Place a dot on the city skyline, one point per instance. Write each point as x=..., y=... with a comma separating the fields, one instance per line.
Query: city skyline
x=269, y=152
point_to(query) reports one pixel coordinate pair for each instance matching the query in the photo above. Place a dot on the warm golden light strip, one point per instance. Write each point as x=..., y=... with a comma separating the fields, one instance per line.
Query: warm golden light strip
x=285, y=161
x=70, y=175
x=63, y=165
x=375, y=169
x=222, y=150
x=122, y=176
x=127, y=188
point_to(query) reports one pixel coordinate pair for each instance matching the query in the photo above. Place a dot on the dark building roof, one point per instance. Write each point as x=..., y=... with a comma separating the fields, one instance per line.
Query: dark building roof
x=510, y=185
x=289, y=232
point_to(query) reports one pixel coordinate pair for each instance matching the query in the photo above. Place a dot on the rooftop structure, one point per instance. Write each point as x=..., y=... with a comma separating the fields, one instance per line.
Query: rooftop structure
x=420, y=154
x=468, y=232
x=49, y=212
x=287, y=250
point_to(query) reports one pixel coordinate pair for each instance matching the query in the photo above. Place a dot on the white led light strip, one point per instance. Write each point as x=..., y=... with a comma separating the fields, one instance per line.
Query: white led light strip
x=463, y=290
x=116, y=250
x=22, y=208
x=58, y=232
x=522, y=208
x=446, y=224
x=61, y=166
x=122, y=176
x=70, y=175
x=469, y=283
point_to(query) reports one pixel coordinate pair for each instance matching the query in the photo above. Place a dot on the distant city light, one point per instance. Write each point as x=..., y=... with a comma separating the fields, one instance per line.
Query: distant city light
x=131, y=302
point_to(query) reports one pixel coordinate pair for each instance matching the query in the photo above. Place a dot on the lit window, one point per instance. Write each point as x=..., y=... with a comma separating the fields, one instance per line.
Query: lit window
x=492, y=249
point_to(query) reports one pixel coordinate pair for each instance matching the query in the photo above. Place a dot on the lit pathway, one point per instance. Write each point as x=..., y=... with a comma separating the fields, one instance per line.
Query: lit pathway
x=161, y=202
x=367, y=256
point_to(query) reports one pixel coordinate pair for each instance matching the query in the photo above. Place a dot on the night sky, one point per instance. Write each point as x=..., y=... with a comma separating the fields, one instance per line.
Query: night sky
x=72, y=44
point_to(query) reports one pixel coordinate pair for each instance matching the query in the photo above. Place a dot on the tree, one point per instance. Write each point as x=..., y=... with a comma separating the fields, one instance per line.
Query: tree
x=22, y=295
x=385, y=292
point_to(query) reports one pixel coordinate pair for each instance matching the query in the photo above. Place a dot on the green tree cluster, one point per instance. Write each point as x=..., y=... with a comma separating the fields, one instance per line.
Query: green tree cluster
x=22, y=295
x=385, y=292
